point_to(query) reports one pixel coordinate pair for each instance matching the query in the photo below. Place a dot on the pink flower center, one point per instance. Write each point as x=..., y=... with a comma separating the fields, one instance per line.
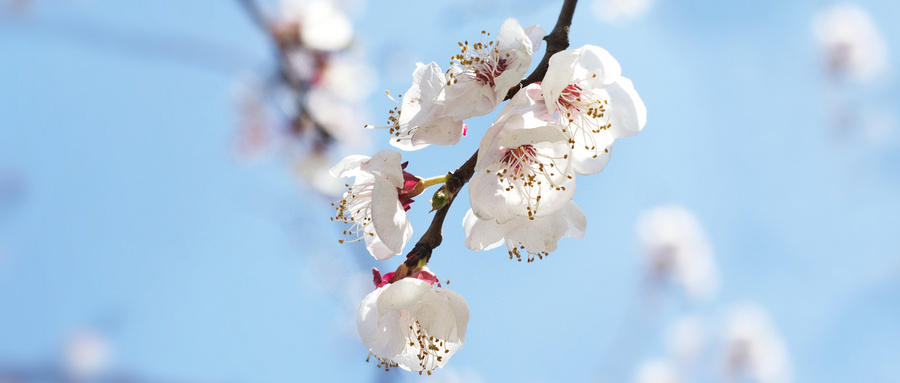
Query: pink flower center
x=519, y=159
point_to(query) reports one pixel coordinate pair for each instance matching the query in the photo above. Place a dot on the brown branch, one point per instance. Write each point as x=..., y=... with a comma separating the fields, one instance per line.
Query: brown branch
x=557, y=41
x=434, y=236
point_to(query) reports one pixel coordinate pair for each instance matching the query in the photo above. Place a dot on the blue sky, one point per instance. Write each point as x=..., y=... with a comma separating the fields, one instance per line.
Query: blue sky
x=133, y=214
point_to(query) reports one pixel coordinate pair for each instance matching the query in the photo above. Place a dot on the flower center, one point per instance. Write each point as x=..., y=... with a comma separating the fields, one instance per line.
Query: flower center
x=479, y=62
x=583, y=115
x=526, y=169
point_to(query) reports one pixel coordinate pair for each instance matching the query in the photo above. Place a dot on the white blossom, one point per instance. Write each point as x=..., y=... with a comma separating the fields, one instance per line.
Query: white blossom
x=372, y=205
x=752, y=347
x=432, y=111
x=851, y=42
x=537, y=237
x=483, y=73
x=593, y=102
x=413, y=325
x=421, y=119
x=677, y=249
x=523, y=167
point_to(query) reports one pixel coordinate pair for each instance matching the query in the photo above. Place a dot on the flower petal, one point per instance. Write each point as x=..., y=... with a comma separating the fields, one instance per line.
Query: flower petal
x=389, y=219
x=627, y=111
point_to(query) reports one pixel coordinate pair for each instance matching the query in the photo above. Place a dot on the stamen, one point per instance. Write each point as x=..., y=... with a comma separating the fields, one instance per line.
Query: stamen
x=526, y=169
x=584, y=117
x=479, y=62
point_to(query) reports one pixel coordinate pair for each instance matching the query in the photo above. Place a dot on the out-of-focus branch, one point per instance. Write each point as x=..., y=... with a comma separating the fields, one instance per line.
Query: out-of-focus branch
x=299, y=86
x=557, y=41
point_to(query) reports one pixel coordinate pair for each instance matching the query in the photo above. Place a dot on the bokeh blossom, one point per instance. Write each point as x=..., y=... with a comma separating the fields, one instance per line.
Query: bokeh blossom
x=752, y=347
x=851, y=42
x=677, y=249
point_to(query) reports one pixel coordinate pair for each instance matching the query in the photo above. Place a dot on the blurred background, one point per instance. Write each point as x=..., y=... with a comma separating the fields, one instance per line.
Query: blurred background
x=165, y=204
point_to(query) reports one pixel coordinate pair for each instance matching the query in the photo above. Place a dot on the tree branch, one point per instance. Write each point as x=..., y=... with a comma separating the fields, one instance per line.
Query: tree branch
x=557, y=41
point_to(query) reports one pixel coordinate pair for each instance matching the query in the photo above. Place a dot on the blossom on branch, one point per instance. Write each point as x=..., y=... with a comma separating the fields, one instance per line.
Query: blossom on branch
x=537, y=237
x=593, y=102
x=433, y=109
x=523, y=166
x=421, y=119
x=376, y=204
x=412, y=324
x=483, y=73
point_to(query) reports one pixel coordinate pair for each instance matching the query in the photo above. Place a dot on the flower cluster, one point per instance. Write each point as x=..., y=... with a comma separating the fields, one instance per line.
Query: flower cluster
x=318, y=88
x=522, y=179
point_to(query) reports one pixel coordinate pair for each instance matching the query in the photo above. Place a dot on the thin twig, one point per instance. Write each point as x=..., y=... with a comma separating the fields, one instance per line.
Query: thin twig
x=557, y=41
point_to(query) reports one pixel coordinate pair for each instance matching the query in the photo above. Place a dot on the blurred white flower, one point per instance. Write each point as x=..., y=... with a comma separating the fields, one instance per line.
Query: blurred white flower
x=348, y=77
x=656, y=371
x=620, y=10
x=752, y=347
x=593, y=102
x=320, y=24
x=343, y=121
x=851, y=42
x=86, y=354
x=372, y=205
x=413, y=325
x=676, y=248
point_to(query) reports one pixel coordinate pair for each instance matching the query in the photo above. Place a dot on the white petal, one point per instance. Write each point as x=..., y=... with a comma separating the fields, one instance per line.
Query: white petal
x=349, y=166
x=486, y=198
x=511, y=35
x=588, y=63
x=402, y=294
x=482, y=234
x=543, y=233
x=535, y=34
x=387, y=164
x=439, y=131
x=390, y=222
x=591, y=161
x=380, y=331
x=627, y=112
